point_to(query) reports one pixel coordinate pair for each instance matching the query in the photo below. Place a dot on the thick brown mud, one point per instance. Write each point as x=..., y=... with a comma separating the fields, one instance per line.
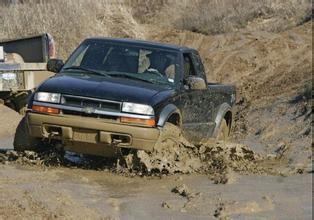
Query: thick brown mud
x=217, y=160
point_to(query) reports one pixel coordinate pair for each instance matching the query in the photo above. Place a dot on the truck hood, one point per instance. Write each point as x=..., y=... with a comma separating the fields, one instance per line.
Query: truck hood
x=118, y=89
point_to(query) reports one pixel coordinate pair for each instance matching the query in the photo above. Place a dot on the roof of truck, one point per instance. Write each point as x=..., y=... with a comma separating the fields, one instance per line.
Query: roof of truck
x=144, y=43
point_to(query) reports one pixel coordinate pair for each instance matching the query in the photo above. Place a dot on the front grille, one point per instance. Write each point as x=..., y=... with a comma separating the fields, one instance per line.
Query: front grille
x=93, y=115
x=83, y=102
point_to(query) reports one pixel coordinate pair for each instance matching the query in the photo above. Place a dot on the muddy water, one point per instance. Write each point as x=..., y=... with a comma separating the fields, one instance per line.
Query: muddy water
x=40, y=185
x=76, y=193
x=189, y=187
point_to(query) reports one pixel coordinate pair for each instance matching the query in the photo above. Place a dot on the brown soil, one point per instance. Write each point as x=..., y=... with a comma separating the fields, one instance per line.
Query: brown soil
x=273, y=77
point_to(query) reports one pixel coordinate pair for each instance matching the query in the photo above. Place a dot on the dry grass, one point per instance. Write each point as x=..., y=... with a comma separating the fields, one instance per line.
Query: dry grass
x=70, y=21
x=222, y=16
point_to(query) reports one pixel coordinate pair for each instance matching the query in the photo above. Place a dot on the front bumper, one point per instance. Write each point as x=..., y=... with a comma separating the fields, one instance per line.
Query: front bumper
x=91, y=135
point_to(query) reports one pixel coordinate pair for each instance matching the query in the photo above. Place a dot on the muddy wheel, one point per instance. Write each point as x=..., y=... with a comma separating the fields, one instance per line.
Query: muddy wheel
x=223, y=132
x=163, y=151
x=171, y=135
x=170, y=132
x=22, y=140
x=172, y=153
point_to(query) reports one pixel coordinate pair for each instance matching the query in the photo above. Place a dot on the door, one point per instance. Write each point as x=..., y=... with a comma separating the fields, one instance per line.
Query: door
x=195, y=104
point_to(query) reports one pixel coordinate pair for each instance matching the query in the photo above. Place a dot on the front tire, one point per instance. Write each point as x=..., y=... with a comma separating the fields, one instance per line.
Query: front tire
x=22, y=139
x=170, y=132
x=171, y=153
x=170, y=135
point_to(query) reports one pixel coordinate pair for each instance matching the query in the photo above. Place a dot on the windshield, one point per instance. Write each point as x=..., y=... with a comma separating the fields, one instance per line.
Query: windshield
x=152, y=65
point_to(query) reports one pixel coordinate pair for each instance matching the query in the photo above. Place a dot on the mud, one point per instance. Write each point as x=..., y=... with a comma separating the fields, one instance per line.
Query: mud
x=47, y=158
x=214, y=159
x=170, y=156
x=217, y=158
x=219, y=161
x=226, y=180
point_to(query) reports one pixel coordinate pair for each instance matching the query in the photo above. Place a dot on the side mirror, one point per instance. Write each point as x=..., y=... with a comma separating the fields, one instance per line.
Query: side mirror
x=54, y=65
x=196, y=83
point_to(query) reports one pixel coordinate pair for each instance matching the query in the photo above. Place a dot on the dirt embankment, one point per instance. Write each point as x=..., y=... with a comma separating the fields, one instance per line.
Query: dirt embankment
x=272, y=73
x=263, y=65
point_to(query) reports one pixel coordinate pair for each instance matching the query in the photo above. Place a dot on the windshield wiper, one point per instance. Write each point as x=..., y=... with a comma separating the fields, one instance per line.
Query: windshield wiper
x=130, y=77
x=87, y=70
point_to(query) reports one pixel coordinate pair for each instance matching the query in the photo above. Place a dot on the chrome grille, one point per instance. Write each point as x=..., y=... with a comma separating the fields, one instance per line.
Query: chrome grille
x=75, y=105
x=86, y=102
x=93, y=115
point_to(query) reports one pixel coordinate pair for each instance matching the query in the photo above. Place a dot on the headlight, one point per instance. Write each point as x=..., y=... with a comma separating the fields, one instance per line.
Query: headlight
x=47, y=97
x=137, y=108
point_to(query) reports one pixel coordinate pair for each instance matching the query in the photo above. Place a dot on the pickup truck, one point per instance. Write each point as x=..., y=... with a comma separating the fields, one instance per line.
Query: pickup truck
x=121, y=94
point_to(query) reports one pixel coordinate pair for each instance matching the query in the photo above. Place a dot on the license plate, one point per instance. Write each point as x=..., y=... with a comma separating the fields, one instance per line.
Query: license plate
x=84, y=135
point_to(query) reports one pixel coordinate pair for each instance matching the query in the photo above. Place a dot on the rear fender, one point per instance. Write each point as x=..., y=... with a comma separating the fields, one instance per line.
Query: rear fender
x=223, y=109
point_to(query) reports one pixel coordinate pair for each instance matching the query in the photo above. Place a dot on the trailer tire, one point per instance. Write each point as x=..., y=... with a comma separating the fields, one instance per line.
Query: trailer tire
x=22, y=139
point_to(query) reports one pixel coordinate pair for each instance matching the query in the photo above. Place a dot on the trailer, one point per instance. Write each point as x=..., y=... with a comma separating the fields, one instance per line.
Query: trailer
x=23, y=66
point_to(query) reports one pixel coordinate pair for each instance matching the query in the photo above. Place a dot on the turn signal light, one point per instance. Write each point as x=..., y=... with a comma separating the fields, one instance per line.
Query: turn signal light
x=147, y=122
x=43, y=109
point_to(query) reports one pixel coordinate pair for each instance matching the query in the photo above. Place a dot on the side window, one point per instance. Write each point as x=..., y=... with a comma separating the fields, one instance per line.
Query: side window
x=198, y=64
x=188, y=66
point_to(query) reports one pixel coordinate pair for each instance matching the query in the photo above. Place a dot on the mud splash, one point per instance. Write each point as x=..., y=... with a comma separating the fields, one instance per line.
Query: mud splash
x=218, y=160
x=174, y=154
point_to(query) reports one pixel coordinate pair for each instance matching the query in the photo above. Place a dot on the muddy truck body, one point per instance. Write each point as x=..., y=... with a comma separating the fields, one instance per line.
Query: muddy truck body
x=23, y=66
x=120, y=94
